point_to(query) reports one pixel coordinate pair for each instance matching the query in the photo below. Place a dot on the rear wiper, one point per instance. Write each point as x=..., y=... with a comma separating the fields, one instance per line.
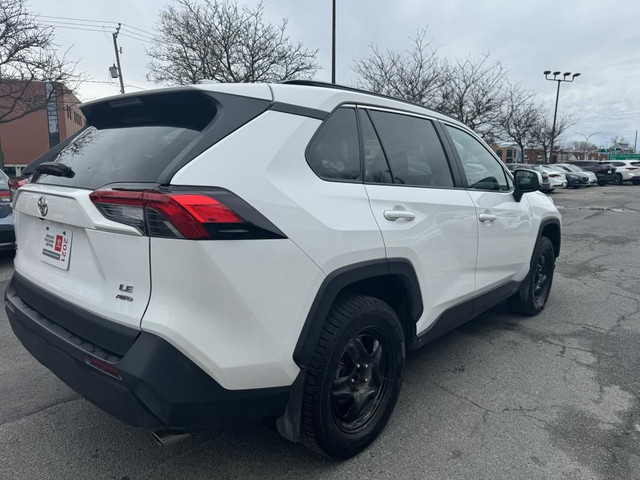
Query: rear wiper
x=55, y=168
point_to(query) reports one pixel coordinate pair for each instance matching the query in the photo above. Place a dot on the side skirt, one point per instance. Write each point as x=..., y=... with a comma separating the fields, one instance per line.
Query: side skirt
x=460, y=314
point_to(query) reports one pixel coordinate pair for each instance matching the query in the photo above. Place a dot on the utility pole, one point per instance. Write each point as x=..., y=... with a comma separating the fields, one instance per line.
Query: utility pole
x=333, y=43
x=115, y=46
x=635, y=144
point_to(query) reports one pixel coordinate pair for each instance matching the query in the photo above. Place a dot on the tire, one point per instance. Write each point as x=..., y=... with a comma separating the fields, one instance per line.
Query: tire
x=602, y=184
x=618, y=180
x=347, y=401
x=533, y=294
x=635, y=182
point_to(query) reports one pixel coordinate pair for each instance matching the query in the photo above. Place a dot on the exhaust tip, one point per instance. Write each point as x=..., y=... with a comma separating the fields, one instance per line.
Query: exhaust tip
x=168, y=439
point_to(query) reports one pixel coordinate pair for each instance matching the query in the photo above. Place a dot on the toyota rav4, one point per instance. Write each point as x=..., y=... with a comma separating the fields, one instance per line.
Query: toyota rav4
x=256, y=251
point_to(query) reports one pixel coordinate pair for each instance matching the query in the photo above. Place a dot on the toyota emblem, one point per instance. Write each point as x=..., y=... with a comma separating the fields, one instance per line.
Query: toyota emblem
x=43, y=207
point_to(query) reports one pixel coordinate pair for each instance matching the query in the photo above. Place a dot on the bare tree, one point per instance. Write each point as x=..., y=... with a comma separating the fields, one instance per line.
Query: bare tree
x=221, y=41
x=474, y=93
x=27, y=56
x=519, y=116
x=541, y=134
x=415, y=74
x=582, y=146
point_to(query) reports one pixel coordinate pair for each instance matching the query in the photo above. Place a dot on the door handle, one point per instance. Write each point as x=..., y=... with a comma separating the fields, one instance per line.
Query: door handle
x=487, y=217
x=394, y=215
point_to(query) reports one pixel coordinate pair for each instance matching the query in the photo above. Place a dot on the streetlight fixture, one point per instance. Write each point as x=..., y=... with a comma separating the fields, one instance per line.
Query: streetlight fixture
x=586, y=142
x=558, y=79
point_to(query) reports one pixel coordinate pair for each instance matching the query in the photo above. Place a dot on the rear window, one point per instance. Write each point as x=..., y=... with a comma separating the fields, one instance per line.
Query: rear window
x=110, y=155
x=136, y=139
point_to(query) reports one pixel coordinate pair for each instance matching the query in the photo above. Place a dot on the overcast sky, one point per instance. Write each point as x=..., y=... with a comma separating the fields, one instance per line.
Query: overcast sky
x=600, y=39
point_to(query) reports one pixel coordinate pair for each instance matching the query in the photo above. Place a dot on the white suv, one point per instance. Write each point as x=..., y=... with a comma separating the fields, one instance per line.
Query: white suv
x=227, y=252
x=627, y=171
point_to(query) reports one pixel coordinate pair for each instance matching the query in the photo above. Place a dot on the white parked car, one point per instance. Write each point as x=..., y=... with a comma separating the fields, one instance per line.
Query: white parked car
x=230, y=252
x=557, y=179
x=627, y=171
x=543, y=177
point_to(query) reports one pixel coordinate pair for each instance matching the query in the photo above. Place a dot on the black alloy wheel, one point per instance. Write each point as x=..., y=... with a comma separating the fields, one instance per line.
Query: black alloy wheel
x=534, y=292
x=361, y=381
x=354, y=378
x=540, y=278
x=618, y=180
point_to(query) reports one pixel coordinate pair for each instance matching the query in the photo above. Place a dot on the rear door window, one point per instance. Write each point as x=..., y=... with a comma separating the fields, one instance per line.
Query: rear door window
x=376, y=167
x=413, y=149
x=334, y=152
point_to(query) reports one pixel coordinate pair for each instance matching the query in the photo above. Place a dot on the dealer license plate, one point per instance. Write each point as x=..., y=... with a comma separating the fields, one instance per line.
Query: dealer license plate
x=56, y=246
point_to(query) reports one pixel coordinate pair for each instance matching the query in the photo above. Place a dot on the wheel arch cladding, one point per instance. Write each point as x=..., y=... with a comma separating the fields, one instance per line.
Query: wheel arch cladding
x=391, y=280
x=550, y=228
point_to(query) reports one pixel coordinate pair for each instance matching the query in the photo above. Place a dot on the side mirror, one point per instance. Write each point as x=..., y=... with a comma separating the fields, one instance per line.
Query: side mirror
x=525, y=181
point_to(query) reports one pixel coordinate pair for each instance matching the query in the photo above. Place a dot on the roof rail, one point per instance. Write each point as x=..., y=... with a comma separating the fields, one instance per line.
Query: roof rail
x=315, y=83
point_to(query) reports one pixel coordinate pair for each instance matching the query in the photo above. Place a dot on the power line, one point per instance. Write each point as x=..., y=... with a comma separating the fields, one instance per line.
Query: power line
x=98, y=29
x=136, y=28
x=70, y=20
x=135, y=38
x=75, y=24
x=137, y=35
x=78, y=19
x=76, y=28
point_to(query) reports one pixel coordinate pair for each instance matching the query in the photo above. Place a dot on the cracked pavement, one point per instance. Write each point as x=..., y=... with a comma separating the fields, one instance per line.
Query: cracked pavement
x=504, y=397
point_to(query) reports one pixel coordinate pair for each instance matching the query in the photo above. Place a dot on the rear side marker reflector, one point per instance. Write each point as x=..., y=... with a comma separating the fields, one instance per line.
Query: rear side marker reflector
x=184, y=214
x=103, y=366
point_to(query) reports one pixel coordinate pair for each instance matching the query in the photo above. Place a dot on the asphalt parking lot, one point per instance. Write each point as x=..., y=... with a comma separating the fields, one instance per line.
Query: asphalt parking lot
x=503, y=397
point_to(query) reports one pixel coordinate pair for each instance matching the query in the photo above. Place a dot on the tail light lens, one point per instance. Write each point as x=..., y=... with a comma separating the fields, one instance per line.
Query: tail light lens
x=195, y=215
x=554, y=175
x=632, y=168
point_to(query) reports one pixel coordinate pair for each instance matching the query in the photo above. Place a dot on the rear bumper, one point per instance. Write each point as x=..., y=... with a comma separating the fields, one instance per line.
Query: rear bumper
x=153, y=385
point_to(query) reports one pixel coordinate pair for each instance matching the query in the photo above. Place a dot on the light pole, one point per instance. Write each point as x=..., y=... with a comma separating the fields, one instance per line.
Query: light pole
x=586, y=142
x=333, y=43
x=555, y=112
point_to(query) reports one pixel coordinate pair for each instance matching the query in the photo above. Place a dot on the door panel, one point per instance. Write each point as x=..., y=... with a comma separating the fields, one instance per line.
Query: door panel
x=504, y=225
x=423, y=218
x=440, y=241
x=503, y=243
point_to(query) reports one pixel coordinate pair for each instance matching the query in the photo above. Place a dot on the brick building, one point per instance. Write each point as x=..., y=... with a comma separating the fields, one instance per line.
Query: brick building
x=25, y=139
x=509, y=153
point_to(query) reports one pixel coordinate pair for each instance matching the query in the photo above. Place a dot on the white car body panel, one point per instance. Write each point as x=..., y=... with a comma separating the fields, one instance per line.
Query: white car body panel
x=502, y=256
x=440, y=243
x=222, y=304
x=96, y=268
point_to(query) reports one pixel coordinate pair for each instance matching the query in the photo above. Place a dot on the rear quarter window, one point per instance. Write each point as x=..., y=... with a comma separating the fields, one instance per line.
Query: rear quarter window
x=334, y=152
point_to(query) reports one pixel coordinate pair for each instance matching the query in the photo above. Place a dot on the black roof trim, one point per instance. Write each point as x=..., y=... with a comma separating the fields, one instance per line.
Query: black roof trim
x=335, y=86
x=298, y=110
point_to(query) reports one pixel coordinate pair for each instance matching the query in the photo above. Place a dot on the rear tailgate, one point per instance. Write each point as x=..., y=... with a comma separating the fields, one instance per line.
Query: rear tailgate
x=69, y=249
x=96, y=257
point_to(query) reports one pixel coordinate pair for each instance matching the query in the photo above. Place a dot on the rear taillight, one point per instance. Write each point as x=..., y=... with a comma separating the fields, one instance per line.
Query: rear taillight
x=201, y=215
x=632, y=168
x=554, y=175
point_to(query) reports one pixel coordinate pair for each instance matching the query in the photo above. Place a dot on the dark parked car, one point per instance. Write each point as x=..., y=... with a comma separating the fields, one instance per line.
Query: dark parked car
x=7, y=235
x=605, y=172
x=576, y=176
